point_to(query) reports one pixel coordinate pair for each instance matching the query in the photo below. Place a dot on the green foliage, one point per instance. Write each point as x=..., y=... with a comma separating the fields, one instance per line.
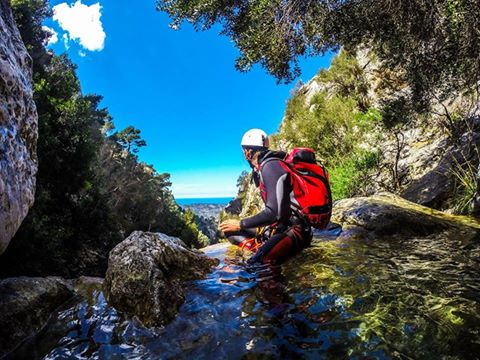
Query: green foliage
x=336, y=124
x=350, y=177
x=92, y=191
x=327, y=125
x=435, y=42
x=348, y=79
x=129, y=139
x=241, y=180
x=29, y=15
x=465, y=175
x=191, y=233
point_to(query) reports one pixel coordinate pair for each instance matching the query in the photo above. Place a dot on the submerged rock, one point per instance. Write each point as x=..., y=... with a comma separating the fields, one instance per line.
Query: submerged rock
x=386, y=214
x=25, y=306
x=147, y=273
x=18, y=128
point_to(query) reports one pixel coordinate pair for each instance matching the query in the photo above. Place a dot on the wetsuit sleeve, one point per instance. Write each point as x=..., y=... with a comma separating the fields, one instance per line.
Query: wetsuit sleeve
x=277, y=204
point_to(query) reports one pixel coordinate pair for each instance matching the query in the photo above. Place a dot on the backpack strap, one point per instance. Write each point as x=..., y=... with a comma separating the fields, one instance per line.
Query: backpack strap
x=260, y=167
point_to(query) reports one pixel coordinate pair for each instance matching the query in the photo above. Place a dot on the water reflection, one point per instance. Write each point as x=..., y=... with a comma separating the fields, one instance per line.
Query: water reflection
x=340, y=299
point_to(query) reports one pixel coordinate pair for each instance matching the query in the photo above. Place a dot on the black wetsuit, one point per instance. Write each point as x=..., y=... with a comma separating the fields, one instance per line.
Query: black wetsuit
x=291, y=232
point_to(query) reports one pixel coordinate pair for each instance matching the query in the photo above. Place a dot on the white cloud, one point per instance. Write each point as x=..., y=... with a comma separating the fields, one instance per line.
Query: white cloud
x=53, y=39
x=82, y=53
x=82, y=23
x=65, y=41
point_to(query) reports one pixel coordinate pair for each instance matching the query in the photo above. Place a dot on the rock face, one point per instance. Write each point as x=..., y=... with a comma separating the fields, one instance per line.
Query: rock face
x=147, y=273
x=388, y=215
x=18, y=128
x=25, y=306
x=418, y=158
x=434, y=188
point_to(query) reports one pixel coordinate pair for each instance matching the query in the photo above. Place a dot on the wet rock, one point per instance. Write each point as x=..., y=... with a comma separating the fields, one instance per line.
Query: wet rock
x=147, y=273
x=86, y=285
x=386, y=214
x=25, y=306
x=216, y=251
x=18, y=128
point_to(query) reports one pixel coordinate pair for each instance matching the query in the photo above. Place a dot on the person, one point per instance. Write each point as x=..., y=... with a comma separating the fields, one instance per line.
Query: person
x=288, y=233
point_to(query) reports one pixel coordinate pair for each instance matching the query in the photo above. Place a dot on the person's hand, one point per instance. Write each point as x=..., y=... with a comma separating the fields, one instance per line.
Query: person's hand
x=230, y=226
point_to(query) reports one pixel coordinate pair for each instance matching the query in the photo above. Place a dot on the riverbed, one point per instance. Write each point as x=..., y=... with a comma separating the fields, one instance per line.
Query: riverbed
x=418, y=298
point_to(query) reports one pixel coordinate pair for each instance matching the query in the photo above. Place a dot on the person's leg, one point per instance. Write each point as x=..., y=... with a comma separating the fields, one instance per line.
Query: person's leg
x=283, y=245
x=239, y=237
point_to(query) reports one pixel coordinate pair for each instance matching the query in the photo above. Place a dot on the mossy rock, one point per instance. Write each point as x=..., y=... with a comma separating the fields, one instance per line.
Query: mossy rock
x=386, y=214
x=147, y=274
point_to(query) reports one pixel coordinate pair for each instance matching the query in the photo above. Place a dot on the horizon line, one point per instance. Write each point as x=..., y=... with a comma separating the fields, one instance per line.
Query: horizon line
x=204, y=197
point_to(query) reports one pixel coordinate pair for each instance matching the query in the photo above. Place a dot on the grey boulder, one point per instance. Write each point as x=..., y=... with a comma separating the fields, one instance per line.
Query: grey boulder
x=147, y=274
x=386, y=214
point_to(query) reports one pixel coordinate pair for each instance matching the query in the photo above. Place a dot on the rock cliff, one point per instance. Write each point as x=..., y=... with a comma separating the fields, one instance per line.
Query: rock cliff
x=18, y=128
x=421, y=159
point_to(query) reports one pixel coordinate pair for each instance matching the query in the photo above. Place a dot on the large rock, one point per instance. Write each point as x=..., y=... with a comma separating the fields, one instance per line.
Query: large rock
x=389, y=215
x=147, y=273
x=18, y=128
x=437, y=186
x=25, y=306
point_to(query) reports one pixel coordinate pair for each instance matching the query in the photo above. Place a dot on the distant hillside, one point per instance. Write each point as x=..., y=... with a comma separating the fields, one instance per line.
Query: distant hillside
x=207, y=217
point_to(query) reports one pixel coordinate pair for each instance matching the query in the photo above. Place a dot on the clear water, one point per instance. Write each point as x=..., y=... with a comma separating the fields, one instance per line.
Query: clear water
x=340, y=299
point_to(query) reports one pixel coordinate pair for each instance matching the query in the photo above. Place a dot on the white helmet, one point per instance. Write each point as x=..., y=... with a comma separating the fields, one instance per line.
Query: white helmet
x=255, y=138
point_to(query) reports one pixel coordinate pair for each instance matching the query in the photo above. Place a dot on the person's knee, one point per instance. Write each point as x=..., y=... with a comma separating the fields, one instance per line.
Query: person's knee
x=280, y=251
x=236, y=239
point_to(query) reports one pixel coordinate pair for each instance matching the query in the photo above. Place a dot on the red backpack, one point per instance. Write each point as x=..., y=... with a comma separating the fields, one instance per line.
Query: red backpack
x=312, y=197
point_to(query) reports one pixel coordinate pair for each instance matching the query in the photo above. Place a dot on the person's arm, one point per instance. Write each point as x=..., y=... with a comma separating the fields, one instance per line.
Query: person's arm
x=277, y=205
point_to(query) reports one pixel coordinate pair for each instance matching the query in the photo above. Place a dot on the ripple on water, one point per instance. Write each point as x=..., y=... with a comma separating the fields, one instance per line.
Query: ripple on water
x=339, y=299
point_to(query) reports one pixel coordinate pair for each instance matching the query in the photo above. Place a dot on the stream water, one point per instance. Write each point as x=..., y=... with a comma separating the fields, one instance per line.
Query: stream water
x=415, y=299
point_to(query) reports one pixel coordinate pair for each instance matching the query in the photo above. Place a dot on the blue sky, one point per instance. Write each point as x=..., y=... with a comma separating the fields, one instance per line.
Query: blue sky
x=180, y=88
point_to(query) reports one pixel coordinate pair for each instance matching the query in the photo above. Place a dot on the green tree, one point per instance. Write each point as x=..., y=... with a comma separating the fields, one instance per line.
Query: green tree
x=435, y=42
x=29, y=16
x=129, y=139
x=241, y=179
x=92, y=190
